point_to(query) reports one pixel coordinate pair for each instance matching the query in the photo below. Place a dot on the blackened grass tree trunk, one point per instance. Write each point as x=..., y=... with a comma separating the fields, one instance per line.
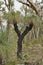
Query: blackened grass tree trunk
x=21, y=37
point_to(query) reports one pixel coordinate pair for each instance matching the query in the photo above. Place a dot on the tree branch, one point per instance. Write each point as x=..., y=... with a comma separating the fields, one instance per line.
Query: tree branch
x=31, y=5
x=28, y=28
x=16, y=29
x=24, y=3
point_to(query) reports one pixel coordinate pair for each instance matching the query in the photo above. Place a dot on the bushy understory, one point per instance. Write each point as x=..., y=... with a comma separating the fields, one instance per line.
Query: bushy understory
x=32, y=50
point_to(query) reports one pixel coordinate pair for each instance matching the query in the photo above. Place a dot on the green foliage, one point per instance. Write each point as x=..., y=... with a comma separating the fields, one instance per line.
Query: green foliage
x=11, y=63
x=18, y=16
x=2, y=37
x=32, y=48
x=11, y=2
x=10, y=16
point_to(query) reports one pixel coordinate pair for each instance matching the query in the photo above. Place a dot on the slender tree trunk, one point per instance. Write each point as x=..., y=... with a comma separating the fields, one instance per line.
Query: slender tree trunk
x=21, y=37
x=19, y=49
x=7, y=31
x=38, y=32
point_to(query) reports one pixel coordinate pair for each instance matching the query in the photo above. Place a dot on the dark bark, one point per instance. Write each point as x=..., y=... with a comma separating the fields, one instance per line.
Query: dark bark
x=19, y=49
x=28, y=28
x=16, y=29
x=21, y=37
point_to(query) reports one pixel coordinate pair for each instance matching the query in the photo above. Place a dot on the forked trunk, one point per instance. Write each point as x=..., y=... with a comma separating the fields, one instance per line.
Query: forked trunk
x=21, y=37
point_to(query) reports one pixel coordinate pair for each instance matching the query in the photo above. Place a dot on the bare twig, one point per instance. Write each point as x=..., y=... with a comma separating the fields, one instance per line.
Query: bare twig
x=25, y=3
